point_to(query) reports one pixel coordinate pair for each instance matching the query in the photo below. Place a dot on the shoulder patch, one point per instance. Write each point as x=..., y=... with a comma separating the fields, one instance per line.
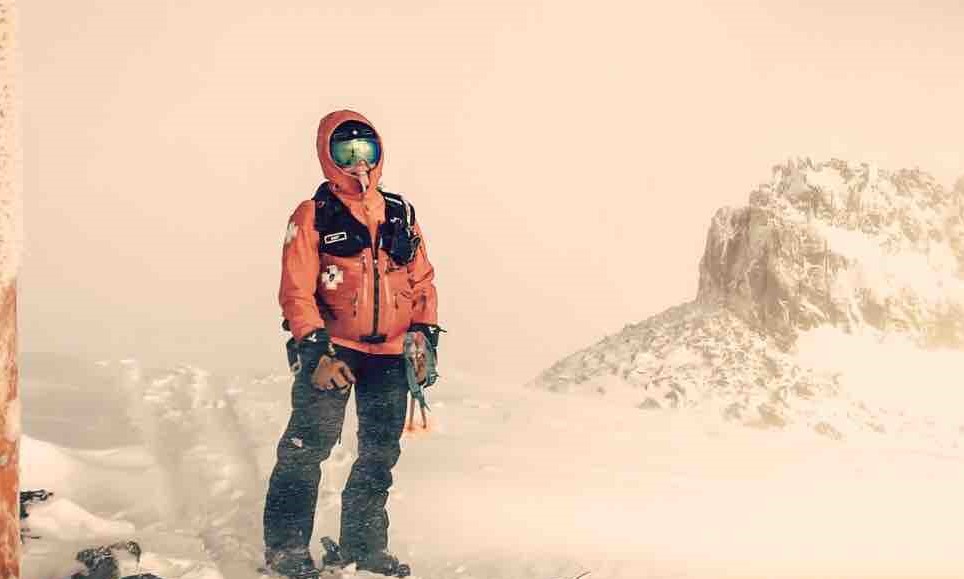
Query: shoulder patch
x=291, y=233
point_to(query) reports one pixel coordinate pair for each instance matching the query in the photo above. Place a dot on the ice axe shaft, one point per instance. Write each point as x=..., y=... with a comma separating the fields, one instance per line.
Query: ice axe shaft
x=416, y=389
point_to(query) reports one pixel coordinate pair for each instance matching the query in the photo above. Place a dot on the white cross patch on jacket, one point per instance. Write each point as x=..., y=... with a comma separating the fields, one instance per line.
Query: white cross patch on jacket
x=332, y=277
x=291, y=233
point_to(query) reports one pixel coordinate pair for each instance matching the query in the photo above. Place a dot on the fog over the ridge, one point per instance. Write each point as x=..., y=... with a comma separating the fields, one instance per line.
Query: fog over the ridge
x=564, y=158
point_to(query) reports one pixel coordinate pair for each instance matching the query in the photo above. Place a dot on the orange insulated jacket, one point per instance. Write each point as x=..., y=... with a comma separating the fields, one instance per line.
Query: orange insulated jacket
x=366, y=300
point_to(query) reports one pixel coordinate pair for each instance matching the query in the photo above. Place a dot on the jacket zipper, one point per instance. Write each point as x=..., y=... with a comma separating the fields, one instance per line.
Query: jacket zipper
x=375, y=275
x=364, y=268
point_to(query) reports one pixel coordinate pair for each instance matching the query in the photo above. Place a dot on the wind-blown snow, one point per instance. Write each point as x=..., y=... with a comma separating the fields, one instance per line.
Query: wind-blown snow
x=813, y=309
x=510, y=483
x=890, y=373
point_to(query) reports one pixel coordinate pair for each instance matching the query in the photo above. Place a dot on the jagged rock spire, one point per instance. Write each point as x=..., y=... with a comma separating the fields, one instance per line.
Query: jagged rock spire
x=841, y=244
x=838, y=244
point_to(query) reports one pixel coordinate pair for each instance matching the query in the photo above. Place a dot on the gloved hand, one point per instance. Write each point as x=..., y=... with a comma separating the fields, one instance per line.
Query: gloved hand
x=332, y=374
x=425, y=337
x=318, y=359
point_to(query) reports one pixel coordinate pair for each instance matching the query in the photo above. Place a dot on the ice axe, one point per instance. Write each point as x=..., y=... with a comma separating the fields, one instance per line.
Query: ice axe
x=416, y=388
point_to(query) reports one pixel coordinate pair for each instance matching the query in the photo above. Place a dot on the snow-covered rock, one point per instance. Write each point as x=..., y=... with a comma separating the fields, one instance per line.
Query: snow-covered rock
x=846, y=245
x=873, y=254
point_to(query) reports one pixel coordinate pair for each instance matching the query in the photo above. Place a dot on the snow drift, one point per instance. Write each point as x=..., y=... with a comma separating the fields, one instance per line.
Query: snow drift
x=510, y=484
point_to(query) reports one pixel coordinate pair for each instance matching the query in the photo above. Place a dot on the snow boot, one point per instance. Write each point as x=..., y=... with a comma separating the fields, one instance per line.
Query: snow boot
x=380, y=562
x=332, y=556
x=293, y=564
x=383, y=563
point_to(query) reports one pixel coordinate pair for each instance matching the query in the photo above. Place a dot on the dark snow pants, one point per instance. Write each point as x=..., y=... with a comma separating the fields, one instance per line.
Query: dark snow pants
x=313, y=429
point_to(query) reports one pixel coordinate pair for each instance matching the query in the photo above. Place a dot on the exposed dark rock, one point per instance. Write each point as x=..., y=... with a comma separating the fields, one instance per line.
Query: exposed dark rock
x=770, y=416
x=649, y=404
x=826, y=429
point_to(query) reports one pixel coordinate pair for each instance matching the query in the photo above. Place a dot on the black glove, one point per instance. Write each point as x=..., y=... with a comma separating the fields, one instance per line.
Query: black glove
x=312, y=347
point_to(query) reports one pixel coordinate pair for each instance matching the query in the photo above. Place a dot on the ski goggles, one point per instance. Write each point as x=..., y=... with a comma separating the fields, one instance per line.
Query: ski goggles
x=353, y=141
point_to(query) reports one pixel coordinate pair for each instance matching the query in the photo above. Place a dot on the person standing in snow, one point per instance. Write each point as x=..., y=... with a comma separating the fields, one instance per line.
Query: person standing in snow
x=355, y=281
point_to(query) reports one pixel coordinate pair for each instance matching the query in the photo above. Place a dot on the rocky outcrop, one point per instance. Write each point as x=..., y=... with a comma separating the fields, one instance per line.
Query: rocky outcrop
x=845, y=245
x=695, y=355
x=833, y=244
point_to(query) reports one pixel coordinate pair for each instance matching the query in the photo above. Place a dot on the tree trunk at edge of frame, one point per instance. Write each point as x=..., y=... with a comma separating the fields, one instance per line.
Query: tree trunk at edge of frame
x=9, y=437
x=11, y=188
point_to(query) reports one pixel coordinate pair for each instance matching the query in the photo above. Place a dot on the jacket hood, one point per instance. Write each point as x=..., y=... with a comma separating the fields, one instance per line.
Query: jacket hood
x=342, y=181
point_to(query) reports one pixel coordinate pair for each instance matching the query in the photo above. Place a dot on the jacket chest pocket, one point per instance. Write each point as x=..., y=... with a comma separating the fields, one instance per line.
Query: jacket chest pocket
x=403, y=300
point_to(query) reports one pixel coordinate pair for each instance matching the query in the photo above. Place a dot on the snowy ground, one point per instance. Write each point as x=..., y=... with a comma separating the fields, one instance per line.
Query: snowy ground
x=511, y=483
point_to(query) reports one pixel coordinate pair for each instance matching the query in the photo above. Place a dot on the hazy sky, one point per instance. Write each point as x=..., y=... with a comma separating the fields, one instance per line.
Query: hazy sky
x=564, y=158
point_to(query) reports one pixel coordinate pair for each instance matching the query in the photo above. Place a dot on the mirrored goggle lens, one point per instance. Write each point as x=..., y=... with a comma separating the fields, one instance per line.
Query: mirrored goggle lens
x=347, y=153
